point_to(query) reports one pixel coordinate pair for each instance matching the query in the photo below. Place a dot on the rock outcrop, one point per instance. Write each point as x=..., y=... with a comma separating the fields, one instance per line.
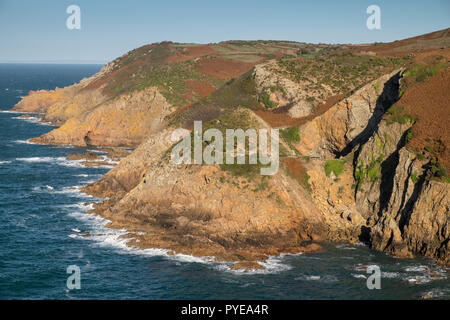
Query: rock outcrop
x=123, y=121
x=206, y=210
x=348, y=172
x=351, y=120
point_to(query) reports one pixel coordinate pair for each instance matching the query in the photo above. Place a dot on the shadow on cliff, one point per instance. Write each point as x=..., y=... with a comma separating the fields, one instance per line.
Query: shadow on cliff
x=387, y=98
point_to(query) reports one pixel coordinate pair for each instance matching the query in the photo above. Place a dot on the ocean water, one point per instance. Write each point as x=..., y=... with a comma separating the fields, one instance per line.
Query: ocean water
x=44, y=230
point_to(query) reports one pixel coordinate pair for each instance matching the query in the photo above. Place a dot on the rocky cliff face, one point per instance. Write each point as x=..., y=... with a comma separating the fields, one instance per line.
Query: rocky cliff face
x=282, y=91
x=382, y=196
x=397, y=206
x=348, y=172
x=407, y=213
x=128, y=99
x=123, y=121
x=207, y=210
x=351, y=120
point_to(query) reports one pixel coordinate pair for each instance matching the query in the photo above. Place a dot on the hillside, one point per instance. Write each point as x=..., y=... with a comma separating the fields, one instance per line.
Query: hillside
x=131, y=96
x=364, y=145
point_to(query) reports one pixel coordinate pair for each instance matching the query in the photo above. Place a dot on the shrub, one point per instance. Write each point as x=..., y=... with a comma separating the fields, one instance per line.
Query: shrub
x=335, y=166
x=399, y=114
x=265, y=99
x=376, y=86
x=414, y=178
x=291, y=135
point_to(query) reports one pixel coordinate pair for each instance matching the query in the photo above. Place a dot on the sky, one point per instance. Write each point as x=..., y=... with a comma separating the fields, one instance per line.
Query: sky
x=36, y=31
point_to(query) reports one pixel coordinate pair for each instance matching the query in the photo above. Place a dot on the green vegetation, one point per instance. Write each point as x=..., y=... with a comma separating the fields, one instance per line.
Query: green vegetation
x=280, y=88
x=265, y=99
x=239, y=93
x=242, y=170
x=290, y=135
x=342, y=72
x=437, y=170
x=368, y=172
x=414, y=178
x=409, y=135
x=146, y=67
x=398, y=113
x=335, y=166
x=373, y=173
x=420, y=73
x=376, y=86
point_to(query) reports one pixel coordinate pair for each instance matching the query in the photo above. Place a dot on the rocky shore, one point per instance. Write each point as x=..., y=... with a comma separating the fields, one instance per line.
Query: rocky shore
x=348, y=172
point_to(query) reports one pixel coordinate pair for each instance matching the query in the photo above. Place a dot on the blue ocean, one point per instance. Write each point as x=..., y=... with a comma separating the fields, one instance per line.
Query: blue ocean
x=44, y=229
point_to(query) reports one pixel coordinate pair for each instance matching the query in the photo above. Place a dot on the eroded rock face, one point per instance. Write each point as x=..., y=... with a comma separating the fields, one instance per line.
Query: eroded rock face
x=40, y=101
x=204, y=210
x=350, y=121
x=54, y=102
x=393, y=205
x=283, y=91
x=123, y=121
x=426, y=229
x=130, y=171
x=406, y=212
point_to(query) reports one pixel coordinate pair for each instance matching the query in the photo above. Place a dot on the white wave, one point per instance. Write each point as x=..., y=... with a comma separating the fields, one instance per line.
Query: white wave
x=36, y=159
x=321, y=278
x=118, y=240
x=25, y=141
x=97, y=151
x=5, y=162
x=418, y=280
x=359, y=276
x=13, y=112
x=61, y=161
x=345, y=247
x=83, y=206
x=82, y=175
x=74, y=191
x=115, y=239
x=109, y=160
x=359, y=244
x=308, y=278
x=271, y=266
x=435, y=293
x=389, y=275
x=419, y=268
x=43, y=188
x=33, y=120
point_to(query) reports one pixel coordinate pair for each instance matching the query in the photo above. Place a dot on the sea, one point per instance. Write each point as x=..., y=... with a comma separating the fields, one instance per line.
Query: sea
x=47, y=238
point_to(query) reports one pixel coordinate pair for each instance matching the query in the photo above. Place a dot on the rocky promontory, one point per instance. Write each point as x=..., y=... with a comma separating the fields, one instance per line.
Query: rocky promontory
x=360, y=159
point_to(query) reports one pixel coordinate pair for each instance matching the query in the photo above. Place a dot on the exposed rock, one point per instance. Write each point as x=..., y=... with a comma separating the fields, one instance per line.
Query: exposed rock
x=96, y=163
x=87, y=156
x=223, y=216
x=283, y=91
x=124, y=121
x=246, y=266
x=350, y=121
x=301, y=109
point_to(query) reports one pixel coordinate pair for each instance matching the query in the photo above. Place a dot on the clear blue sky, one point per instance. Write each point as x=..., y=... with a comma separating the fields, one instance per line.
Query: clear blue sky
x=35, y=30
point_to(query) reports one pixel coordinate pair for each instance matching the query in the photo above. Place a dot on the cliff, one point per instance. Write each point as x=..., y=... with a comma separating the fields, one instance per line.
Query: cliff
x=130, y=97
x=364, y=146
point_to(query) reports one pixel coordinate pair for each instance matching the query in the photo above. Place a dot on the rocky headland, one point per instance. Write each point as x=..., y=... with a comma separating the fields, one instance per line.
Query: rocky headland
x=363, y=148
